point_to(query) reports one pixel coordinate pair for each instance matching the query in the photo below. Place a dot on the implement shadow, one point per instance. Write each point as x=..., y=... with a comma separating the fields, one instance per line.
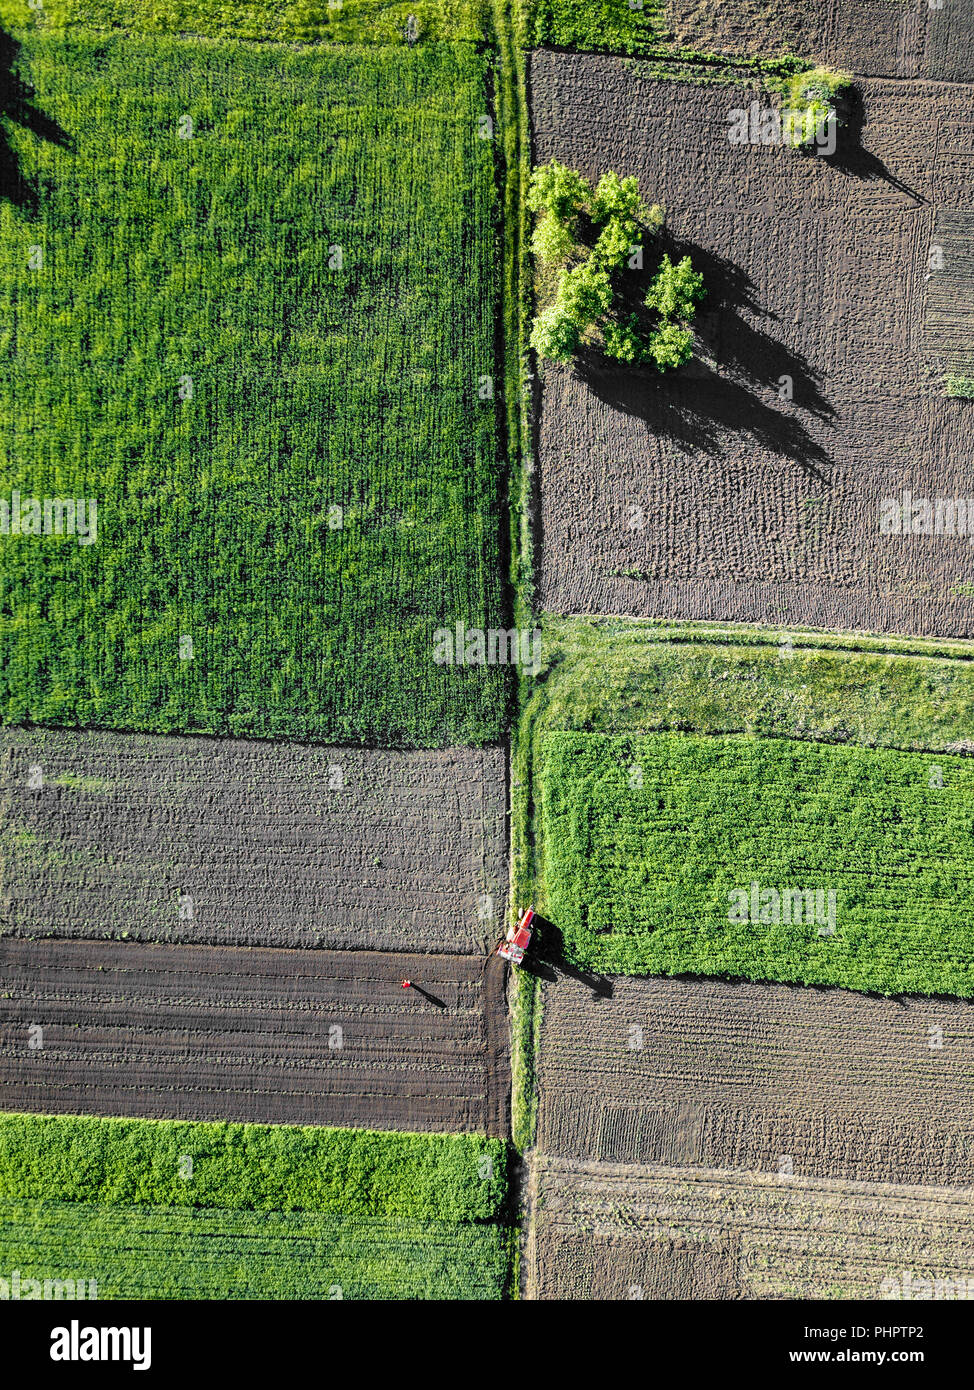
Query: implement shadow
x=16, y=105
x=546, y=960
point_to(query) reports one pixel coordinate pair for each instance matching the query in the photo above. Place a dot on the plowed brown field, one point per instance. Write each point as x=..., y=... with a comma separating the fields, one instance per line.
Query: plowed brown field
x=296, y=1037
x=604, y=1231
x=708, y=495
x=239, y=843
x=825, y=1083
x=876, y=38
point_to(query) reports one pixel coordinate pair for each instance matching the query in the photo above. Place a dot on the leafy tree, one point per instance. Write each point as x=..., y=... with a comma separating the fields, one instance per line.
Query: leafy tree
x=615, y=197
x=623, y=341
x=584, y=293
x=554, y=336
x=675, y=292
x=557, y=190
x=552, y=242
x=814, y=97
x=671, y=346
x=588, y=303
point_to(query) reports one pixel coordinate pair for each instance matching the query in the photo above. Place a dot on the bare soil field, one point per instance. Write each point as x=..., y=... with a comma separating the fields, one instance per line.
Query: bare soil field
x=239, y=843
x=874, y=38
x=254, y=1035
x=709, y=495
x=605, y=1231
x=949, y=319
x=824, y=1083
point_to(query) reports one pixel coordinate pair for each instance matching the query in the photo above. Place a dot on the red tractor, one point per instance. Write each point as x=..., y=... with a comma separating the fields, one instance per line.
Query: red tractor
x=518, y=938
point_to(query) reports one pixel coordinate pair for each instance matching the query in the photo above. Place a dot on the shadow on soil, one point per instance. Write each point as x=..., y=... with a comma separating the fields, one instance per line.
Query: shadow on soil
x=697, y=407
x=418, y=989
x=852, y=159
x=16, y=105
x=546, y=960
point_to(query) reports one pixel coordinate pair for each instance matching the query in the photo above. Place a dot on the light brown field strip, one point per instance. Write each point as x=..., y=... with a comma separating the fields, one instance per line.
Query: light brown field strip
x=608, y=1231
x=239, y=843
x=700, y=1072
x=298, y=1037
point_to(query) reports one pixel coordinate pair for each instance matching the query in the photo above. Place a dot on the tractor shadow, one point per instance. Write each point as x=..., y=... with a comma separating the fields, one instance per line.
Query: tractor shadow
x=16, y=105
x=702, y=409
x=546, y=960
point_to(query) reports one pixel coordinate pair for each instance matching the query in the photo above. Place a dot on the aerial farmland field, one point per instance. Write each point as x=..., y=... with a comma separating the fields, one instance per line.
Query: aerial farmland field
x=487, y=662
x=750, y=488
x=254, y=1035
x=606, y=1231
x=227, y=389
x=170, y=1210
x=243, y=843
x=762, y=1078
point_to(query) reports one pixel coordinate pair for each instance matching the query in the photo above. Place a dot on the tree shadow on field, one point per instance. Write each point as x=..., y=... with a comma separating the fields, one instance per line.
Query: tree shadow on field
x=546, y=959
x=852, y=159
x=698, y=407
x=16, y=105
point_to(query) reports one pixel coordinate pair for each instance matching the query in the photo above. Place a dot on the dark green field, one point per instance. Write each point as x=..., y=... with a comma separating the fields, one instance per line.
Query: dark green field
x=160, y=1209
x=255, y=334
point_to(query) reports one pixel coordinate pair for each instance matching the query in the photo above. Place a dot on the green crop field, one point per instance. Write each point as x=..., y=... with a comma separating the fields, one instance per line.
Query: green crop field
x=178, y=1253
x=248, y=298
x=382, y=21
x=648, y=841
x=165, y=1209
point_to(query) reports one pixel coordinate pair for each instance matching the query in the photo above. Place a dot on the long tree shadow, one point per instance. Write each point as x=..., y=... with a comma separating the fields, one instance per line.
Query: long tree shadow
x=16, y=104
x=744, y=348
x=853, y=159
x=700, y=409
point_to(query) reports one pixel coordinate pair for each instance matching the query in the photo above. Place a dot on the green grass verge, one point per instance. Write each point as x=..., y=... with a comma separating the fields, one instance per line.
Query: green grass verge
x=307, y=21
x=329, y=494
x=617, y=675
x=645, y=839
x=171, y=1209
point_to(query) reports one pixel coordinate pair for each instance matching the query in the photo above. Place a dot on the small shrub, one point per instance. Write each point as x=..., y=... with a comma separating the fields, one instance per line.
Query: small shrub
x=814, y=98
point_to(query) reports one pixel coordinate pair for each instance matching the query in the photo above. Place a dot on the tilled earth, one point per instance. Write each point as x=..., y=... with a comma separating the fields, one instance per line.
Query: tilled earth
x=748, y=487
x=229, y=842
x=894, y=38
x=605, y=1231
x=769, y=1078
x=254, y=1035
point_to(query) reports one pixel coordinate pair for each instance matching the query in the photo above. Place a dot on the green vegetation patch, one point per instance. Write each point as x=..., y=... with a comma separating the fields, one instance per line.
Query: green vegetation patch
x=589, y=242
x=248, y=310
x=680, y=853
x=335, y=21
x=360, y=1172
x=619, y=676
x=171, y=1209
